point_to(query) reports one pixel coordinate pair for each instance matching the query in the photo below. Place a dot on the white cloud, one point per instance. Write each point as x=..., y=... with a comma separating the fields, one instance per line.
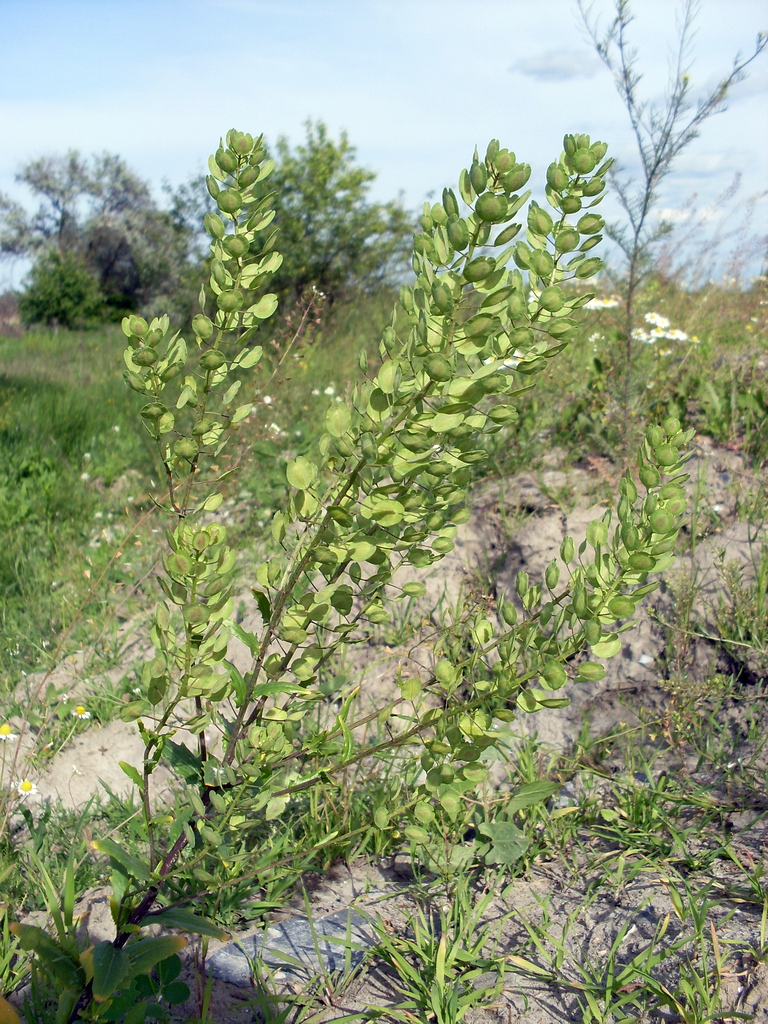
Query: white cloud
x=557, y=65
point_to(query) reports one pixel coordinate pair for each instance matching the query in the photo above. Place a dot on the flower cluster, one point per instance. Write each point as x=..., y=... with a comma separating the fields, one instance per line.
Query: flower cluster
x=661, y=331
x=612, y=302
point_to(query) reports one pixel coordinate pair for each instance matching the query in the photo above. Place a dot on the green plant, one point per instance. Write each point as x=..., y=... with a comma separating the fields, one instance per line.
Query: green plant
x=61, y=292
x=385, y=488
x=662, y=132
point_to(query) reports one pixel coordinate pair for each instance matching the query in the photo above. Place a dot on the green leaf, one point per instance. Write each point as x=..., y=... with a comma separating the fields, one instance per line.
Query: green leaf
x=132, y=773
x=446, y=420
x=110, y=968
x=607, y=647
x=265, y=307
x=508, y=842
x=300, y=473
x=531, y=793
x=338, y=419
x=409, y=688
x=176, y=917
x=250, y=356
x=135, y=868
x=241, y=412
x=59, y=963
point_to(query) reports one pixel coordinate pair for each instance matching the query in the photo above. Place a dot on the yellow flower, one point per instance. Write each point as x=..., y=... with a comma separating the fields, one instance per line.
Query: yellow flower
x=80, y=712
x=26, y=788
x=6, y=733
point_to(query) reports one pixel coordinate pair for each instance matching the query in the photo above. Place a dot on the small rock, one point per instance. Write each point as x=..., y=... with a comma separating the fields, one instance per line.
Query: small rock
x=297, y=949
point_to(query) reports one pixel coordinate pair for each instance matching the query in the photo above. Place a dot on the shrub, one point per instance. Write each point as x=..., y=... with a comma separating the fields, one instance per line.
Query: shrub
x=61, y=292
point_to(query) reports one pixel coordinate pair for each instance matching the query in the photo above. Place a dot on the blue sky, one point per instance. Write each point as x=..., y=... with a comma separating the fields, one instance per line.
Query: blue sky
x=415, y=83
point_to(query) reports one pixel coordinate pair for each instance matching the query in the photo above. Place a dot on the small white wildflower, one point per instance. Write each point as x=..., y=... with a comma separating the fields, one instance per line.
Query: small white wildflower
x=80, y=712
x=640, y=335
x=594, y=338
x=7, y=733
x=85, y=476
x=676, y=335
x=315, y=391
x=98, y=515
x=86, y=456
x=330, y=390
x=339, y=398
x=267, y=400
x=76, y=770
x=611, y=303
x=657, y=320
x=26, y=788
x=116, y=429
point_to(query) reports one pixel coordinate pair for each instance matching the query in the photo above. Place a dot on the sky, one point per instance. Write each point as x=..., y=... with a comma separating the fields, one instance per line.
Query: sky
x=416, y=84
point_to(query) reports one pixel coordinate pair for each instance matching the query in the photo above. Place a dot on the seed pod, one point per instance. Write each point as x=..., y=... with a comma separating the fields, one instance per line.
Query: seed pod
x=567, y=239
x=654, y=436
x=539, y=221
x=212, y=185
x=591, y=672
x=214, y=225
x=202, y=326
x=676, y=506
x=230, y=301
x=438, y=367
x=662, y=522
x=599, y=149
x=552, y=575
x=594, y=187
x=426, y=222
x=244, y=144
x=170, y=372
x=516, y=177
x=621, y=607
x=630, y=536
x=229, y=200
x=552, y=299
x=442, y=296
x=203, y=426
x=557, y=177
x=588, y=268
x=667, y=455
x=503, y=161
x=554, y=675
x=226, y=160
x=507, y=234
x=450, y=202
x=479, y=268
x=153, y=411
x=671, y=490
x=186, y=448
x=218, y=273
x=671, y=425
x=138, y=326
x=593, y=632
x=521, y=337
x=541, y=263
x=236, y=246
x=145, y=357
x=569, y=144
x=458, y=233
x=478, y=176
x=583, y=161
x=491, y=208
x=246, y=177
x=570, y=204
x=509, y=613
x=212, y=359
x=517, y=307
x=438, y=214
x=642, y=561
x=590, y=224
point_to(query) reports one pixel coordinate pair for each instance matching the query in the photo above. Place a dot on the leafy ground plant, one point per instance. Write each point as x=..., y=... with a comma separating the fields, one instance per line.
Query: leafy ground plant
x=384, y=491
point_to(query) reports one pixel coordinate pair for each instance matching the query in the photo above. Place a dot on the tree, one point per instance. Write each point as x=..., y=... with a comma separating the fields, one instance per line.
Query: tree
x=61, y=292
x=331, y=236
x=662, y=131
x=104, y=217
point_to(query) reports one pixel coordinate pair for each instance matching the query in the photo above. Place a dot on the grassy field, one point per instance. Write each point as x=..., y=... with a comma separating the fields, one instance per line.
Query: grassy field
x=80, y=540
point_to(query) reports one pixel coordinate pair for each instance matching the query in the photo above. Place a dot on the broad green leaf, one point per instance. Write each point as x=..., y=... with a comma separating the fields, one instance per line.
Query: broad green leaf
x=414, y=589
x=110, y=968
x=508, y=842
x=58, y=962
x=300, y=473
x=388, y=376
x=338, y=419
x=385, y=511
x=410, y=688
x=241, y=412
x=250, y=356
x=531, y=793
x=176, y=917
x=265, y=307
x=446, y=420
x=380, y=820
x=607, y=647
x=417, y=834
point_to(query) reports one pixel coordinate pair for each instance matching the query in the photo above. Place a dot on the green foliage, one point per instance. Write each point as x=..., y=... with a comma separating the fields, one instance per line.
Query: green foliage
x=61, y=291
x=383, y=489
x=101, y=245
